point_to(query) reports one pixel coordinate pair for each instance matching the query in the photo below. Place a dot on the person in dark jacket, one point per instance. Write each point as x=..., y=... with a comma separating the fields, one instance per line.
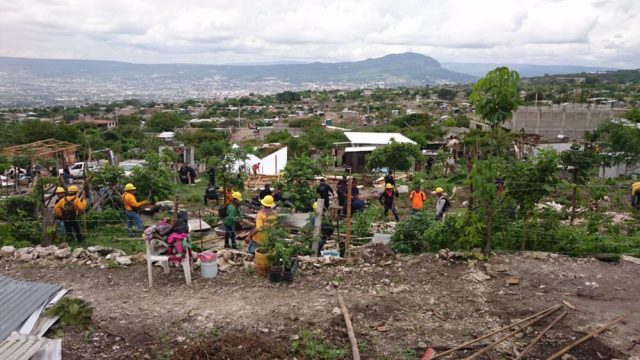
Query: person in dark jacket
x=212, y=175
x=341, y=189
x=211, y=193
x=266, y=191
x=324, y=190
x=388, y=179
x=278, y=195
x=192, y=175
x=183, y=174
x=387, y=200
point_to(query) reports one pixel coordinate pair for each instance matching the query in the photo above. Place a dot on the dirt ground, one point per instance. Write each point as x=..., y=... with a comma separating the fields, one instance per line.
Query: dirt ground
x=399, y=305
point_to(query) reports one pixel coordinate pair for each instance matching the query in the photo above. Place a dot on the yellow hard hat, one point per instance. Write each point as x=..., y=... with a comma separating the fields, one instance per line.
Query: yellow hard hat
x=315, y=205
x=439, y=190
x=267, y=201
x=59, y=190
x=73, y=189
x=237, y=195
x=129, y=186
x=388, y=186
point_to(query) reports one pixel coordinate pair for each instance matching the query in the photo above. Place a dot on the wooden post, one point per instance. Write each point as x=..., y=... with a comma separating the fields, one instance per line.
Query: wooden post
x=317, y=227
x=347, y=240
x=352, y=337
x=537, y=338
x=149, y=263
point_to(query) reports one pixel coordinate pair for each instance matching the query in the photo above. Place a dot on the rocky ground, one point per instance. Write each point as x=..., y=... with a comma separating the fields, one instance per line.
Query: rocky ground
x=399, y=305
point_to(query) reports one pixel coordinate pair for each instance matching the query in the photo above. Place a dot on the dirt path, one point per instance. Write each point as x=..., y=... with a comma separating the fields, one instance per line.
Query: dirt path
x=398, y=305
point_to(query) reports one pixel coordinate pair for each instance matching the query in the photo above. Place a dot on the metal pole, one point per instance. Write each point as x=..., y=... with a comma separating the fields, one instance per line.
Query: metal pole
x=348, y=229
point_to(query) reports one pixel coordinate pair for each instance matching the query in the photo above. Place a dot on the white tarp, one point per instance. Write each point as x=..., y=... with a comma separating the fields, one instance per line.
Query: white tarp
x=272, y=164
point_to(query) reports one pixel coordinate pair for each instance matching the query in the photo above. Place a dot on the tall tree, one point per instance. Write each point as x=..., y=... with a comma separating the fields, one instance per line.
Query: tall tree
x=579, y=162
x=395, y=156
x=496, y=96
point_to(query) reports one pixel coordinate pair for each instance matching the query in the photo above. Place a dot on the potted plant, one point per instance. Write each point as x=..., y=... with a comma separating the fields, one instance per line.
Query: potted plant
x=283, y=261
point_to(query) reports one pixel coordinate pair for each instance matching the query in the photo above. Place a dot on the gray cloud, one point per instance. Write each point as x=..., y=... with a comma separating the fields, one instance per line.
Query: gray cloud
x=589, y=32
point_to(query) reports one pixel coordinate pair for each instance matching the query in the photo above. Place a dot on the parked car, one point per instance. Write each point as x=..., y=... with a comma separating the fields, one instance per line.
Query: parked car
x=129, y=165
x=77, y=169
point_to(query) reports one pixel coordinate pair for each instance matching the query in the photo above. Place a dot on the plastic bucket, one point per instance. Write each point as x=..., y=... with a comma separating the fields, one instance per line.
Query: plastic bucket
x=209, y=269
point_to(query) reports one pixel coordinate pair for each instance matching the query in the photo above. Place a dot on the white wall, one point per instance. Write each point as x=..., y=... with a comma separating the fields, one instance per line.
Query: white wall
x=274, y=164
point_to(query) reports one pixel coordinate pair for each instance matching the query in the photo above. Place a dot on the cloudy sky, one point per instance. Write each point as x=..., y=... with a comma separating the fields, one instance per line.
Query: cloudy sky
x=576, y=32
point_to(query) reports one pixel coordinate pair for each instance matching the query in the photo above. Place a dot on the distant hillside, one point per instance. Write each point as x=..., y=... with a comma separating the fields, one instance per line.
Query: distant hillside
x=618, y=76
x=40, y=80
x=525, y=70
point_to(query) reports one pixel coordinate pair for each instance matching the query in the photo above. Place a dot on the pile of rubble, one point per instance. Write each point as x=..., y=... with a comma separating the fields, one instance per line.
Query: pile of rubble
x=229, y=260
x=92, y=256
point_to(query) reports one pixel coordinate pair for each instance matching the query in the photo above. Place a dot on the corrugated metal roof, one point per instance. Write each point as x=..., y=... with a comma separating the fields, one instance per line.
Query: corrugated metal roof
x=372, y=138
x=18, y=301
x=360, y=149
x=25, y=347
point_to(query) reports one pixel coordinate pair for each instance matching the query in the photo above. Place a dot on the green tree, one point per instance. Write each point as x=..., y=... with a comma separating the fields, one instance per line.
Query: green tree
x=482, y=178
x=287, y=97
x=395, y=156
x=496, y=96
x=298, y=176
x=164, y=121
x=528, y=182
x=579, y=162
x=154, y=179
x=447, y=94
x=620, y=141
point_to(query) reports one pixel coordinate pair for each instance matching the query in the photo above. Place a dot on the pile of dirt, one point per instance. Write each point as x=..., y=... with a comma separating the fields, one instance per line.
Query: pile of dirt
x=372, y=254
x=235, y=346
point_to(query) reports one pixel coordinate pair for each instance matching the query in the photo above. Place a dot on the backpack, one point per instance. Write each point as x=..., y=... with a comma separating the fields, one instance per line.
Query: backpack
x=447, y=205
x=222, y=212
x=69, y=210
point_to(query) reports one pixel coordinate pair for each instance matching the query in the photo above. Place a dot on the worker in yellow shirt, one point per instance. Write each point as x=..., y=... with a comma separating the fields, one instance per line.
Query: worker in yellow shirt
x=131, y=208
x=265, y=219
x=67, y=209
x=635, y=195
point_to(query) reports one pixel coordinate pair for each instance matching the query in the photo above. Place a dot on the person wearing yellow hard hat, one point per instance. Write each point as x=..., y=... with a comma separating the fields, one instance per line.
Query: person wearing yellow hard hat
x=67, y=209
x=265, y=218
x=387, y=199
x=60, y=193
x=131, y=208
x=233, y=216
x=442, y=203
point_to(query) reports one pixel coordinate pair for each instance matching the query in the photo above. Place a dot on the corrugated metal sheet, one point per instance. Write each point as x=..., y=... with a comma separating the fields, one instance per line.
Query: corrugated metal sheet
x=19, y=300
x=25, y=347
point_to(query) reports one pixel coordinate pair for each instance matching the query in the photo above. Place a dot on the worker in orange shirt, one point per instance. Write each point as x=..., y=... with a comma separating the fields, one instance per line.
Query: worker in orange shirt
x=417, y=198
x=131, y=208
x=67, y=209
x=265, y=219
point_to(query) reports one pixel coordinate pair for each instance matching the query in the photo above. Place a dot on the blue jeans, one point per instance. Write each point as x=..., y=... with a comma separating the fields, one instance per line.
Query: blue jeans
x=393, y=210
x=252, y=247
x=133, y=218
x=230, y=236
x=635, y=201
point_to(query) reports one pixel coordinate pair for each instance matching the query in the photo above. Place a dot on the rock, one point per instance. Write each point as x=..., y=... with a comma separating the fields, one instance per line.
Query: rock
x=264, y=330
x=63, y=253
x=63, y=246
x=513, y=280
x=249, y=264
x=400, y=289
x=26, y=257
x=630, y=259
x=335, y=283
x=422, y=345
x=295, y=337
x=539, y=255
x=124, y=260
x=385, y=282
x=100, y=250
x=77, y=253
x=518, y=335
x=44, y=252
x=336, y=311
x=139, y=258
x=7, y=251
x=477, y=275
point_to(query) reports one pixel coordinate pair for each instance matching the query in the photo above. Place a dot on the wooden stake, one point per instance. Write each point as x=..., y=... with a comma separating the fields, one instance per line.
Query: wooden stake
x=505, y=337
x=352, y=335
x=553, y=308
x=587, y=337
x=347, y=241
x=537, y=338
x=317, y=227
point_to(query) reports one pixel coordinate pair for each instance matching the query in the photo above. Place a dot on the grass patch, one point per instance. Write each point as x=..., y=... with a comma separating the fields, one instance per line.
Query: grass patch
x=312, y=348
x=73, y=312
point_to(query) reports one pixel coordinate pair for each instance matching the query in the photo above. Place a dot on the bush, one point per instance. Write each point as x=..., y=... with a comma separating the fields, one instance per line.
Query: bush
x=75, y=313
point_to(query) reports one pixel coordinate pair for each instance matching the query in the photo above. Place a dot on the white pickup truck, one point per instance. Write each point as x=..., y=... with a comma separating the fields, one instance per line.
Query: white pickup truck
x=77, y=169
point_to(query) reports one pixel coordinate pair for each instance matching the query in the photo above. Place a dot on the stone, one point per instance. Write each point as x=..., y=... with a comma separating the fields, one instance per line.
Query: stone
x=399, y=289
x=336, y=311
x=100, y=250
x=124, y=260
x=630, y=259
x=44, y=252
x=385, y=282
x=63, y=245
x=26, y=257
x=7, y=251
x=477, y=275
x=77, y=252
x=63, y=253
x=513, y=280
x=422, y=345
